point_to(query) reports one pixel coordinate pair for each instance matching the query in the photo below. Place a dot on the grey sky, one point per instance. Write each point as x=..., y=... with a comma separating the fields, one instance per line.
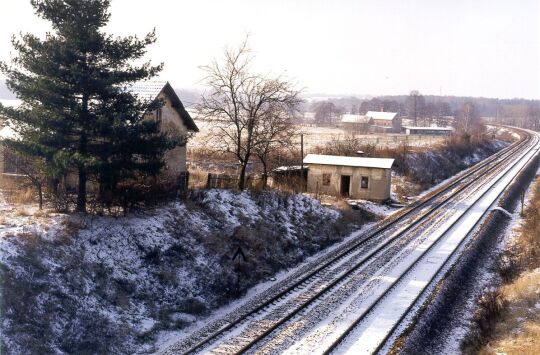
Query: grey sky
x=485, y=48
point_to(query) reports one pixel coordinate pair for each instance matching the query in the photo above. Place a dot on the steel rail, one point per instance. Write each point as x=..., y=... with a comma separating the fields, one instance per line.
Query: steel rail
x=378, y=230
x=353, y=269
x=368, y=310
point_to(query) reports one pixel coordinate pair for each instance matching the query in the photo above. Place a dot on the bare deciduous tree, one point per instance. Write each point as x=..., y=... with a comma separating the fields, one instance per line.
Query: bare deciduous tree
x=415, y=106
x=244, y=105
x=276, y=132
x=468, y=120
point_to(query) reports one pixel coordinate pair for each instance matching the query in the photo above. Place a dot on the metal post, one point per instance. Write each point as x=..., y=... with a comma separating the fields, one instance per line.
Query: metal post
x=522, y=200
x=302, y=161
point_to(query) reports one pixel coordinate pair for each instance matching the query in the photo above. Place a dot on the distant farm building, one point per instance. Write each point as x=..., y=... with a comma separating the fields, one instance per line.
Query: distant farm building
x=385, y=122
x=429, y=131
x=354, y=177
x=357, y=123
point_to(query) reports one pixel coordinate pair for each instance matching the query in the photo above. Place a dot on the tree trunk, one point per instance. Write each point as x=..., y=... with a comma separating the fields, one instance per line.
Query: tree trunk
x=242, y=176
x=81, y=195
x=265, y=173
x=40, y=194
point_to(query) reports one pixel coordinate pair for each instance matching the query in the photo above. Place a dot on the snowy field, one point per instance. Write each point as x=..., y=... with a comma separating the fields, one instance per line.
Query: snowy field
x=316, y=136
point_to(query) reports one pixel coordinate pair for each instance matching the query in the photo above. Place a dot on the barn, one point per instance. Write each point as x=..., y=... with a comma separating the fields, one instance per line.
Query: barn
x=353, y=177
x=356, y=123
x=385, y=122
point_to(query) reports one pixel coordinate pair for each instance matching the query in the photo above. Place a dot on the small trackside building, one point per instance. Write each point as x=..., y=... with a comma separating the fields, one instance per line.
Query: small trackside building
x=353, y=177
x=428, y=131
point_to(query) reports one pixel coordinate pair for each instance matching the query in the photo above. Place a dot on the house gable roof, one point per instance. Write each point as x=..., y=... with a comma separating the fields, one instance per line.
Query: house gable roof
x=386, y=116
x=150, y=90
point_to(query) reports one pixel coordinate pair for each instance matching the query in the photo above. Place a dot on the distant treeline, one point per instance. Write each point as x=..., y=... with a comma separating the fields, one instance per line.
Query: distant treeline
x=487, y=107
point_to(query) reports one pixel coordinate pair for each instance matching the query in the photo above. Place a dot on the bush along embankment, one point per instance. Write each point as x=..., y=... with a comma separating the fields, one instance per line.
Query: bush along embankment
x=507, y=317
x=109, y=285
x=419, y=169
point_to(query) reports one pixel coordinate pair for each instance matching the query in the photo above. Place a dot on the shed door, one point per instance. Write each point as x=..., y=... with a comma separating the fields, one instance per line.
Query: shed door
x=345, y=185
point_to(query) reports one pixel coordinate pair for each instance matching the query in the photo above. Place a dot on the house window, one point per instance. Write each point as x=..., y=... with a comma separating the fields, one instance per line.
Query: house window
x=364, y=182
x=326, y=179
x=159, y=114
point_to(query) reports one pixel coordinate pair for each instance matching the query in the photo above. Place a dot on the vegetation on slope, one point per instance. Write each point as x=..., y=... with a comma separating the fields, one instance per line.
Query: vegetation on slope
x=507, y=318
x=109, y=285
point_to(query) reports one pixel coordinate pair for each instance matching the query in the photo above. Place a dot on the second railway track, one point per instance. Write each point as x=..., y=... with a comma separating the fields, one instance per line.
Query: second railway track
x=250, y=326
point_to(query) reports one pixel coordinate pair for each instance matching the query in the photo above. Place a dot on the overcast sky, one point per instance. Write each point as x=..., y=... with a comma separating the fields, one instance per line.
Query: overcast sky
x=487, y=48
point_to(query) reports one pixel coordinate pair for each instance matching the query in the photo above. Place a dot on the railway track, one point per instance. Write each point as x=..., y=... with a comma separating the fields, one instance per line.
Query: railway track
x=278, y=313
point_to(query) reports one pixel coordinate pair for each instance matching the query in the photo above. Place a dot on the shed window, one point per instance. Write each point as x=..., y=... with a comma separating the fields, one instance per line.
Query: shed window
x=364, y=182
x=326, y=179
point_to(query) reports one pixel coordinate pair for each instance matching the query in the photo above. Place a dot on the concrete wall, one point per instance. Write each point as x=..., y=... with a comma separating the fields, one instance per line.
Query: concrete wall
x=378, y=183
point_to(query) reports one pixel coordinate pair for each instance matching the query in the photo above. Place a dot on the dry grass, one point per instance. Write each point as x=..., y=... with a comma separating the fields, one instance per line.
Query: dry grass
x=515, y=328
x=41, y=214
x=198, y=179
x=22, y=212
x=16, y=191
x=518, y=329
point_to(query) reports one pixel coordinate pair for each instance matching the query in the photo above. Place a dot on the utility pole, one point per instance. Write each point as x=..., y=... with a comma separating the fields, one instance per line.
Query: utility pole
x=302, y=159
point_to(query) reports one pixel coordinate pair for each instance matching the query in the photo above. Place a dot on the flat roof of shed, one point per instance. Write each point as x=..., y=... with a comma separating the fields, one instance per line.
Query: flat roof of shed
x=430, y=128
x=360, y=162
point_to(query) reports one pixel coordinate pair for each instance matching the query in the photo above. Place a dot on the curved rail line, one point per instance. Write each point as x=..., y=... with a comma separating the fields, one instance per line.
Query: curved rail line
x=354, y=269
x=366, y=312
x=347, y=249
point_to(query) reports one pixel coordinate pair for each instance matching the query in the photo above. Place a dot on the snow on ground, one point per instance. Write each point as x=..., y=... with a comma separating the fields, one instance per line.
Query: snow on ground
x=150, y=273
x=451, y=344
x=168, y=338
x=320, y=135
x=503, y=131
x=426, y=170
x=380, y=210
x=147, y=273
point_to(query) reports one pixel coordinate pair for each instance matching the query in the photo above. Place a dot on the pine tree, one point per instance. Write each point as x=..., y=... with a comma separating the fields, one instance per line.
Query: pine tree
x=77, y=114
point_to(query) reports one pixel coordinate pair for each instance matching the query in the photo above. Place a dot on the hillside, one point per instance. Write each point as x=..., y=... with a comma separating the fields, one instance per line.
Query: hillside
x=137, y=275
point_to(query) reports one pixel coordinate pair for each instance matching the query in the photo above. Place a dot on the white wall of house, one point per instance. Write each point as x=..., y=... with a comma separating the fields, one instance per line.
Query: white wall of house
x=172, y=123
